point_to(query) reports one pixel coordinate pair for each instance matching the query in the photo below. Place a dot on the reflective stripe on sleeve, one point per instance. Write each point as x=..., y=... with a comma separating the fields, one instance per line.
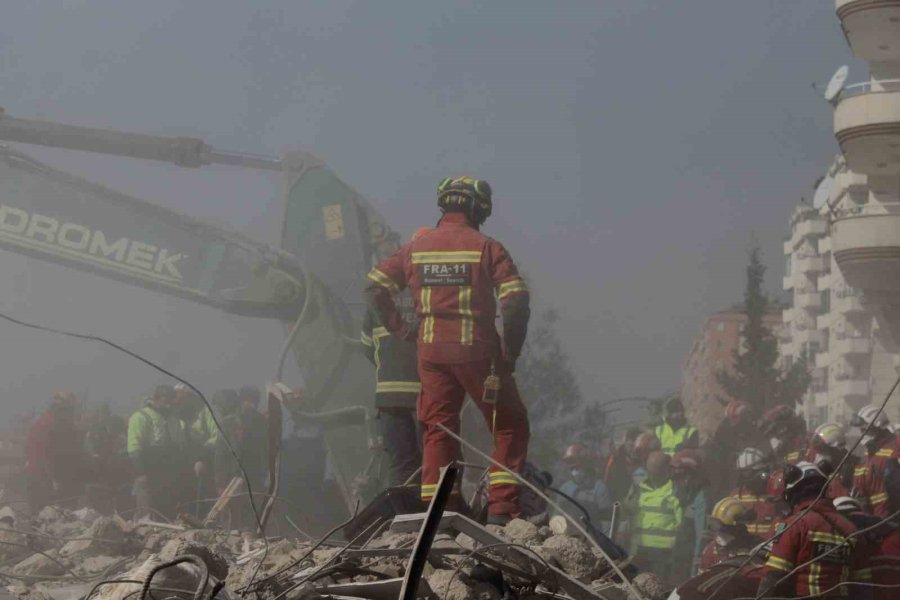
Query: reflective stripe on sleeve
x=377, y=276
x=779, y=564
x=511, y=287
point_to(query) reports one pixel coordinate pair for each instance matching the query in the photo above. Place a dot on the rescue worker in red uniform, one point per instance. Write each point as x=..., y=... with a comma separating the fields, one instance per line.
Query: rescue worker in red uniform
x=827, y=448
x=753, y=477
x=728, y=524
x=621, y=464
x=881, y=449
x=886, y=553
x=457, y=275
x=818, y=534
x=786, y=434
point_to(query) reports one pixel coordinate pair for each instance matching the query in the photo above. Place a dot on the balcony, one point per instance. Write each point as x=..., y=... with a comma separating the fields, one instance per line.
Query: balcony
x=849, y=346
x=811, y=301
x=808, y=264
x=867, y=126
x=787, y=283
x=805, y=337
x=824, y=245
x=811, y=228
x=872, y=28
x=867, y=247
x=854, y=391
x=848, y=304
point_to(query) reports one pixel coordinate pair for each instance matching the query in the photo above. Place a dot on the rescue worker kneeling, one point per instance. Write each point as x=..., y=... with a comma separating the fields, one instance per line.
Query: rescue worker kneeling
x=728, y=525
x=657, y=518
x=817, y=554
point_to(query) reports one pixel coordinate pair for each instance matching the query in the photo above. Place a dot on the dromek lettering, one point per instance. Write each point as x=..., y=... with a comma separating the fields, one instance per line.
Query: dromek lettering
x=37, y=231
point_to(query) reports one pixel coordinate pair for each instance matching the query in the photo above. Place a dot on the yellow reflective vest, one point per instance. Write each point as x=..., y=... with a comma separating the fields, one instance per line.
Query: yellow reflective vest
x=671, y=439
x=659, y=516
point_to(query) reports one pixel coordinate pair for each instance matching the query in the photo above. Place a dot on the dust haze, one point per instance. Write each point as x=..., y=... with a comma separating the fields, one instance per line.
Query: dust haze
x=635, y=149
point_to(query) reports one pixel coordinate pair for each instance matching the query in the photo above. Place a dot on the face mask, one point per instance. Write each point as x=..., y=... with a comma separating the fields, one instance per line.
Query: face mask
x=775, y=443
x=724, y=539
x=579, y=476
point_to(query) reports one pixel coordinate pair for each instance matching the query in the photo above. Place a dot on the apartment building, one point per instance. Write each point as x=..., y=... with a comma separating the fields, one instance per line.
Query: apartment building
x=843, y=254
x=713, y=351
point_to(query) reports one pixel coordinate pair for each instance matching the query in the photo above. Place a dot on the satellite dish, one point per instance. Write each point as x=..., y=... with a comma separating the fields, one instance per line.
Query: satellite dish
x=823, y=192
x=836, y=85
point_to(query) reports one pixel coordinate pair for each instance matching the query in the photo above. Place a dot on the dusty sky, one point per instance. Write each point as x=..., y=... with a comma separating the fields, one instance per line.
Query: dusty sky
x=635, y=149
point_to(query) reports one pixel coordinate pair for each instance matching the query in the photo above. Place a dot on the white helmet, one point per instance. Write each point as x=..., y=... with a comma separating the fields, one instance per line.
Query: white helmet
x=751, y=458
x=871, y=415
x=847, y=504
x=831, y=435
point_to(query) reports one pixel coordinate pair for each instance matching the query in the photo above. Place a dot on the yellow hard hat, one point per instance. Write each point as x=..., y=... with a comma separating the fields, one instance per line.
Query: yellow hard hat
x=730, y=511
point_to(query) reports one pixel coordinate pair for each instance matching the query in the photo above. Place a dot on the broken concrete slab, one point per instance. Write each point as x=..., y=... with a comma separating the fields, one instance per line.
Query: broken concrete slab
x=104, y=536
x=447, y=585
x=574, y=556
x=40, y=565
x=521, y=531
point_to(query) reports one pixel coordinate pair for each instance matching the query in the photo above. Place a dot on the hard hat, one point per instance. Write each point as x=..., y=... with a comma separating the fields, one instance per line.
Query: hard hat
x=657, y=463
x=65, y=398
x=687, y=459
x=736, y=411
x=576, y=454
x=647, y=442
x=420, y=232
x=870, y=415
x=775, y=416
x=801, y=477
x=847, y=504
x=751, y=458
x=163, y=392
x=829, y=435
x=467, y=195
x=730, y=511
x=673, y=405
x=775, y=484
x=180, y=387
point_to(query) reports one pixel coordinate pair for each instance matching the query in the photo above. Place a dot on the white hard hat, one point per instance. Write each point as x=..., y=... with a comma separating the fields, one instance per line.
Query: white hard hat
x=831, y=434
x=847, y=503
x=871, y=415
x=751, y=458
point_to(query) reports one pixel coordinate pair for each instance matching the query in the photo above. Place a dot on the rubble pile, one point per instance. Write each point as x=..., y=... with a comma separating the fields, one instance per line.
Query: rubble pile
x=67, y=555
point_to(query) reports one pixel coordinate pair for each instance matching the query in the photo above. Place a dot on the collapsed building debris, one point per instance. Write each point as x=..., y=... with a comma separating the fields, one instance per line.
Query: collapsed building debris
x=62, y=554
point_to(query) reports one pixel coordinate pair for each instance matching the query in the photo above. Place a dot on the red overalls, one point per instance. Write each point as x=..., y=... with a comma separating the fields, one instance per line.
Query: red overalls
x=868, y=478
x=456, y=275
x=763, y=526
x=825, y=534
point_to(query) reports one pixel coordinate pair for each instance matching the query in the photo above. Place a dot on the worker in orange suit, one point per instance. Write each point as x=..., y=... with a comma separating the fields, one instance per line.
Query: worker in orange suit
x=457, y=275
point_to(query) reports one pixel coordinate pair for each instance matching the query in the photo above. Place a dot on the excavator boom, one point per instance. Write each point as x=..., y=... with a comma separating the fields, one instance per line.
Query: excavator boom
x=330, y=237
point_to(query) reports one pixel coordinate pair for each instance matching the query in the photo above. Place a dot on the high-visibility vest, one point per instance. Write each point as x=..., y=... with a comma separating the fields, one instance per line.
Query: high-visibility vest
x=149, y=430
x=670, y=439
x=659, y=517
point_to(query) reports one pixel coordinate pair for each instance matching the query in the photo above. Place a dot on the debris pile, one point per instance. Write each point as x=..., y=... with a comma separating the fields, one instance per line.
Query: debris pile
x=66, y=555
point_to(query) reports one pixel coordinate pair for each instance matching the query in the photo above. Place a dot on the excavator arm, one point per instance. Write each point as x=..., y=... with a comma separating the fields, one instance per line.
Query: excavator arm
x=330, y=237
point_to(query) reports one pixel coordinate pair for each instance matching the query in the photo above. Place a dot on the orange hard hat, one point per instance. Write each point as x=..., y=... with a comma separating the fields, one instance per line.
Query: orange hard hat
x=736, y=411
x=647, y=442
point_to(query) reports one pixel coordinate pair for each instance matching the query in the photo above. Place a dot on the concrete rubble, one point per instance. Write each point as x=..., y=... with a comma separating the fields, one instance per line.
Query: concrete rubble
x=62, y=555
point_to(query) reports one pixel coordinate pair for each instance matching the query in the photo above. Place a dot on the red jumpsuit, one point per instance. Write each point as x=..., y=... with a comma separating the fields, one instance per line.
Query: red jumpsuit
x=456, y=275
x=885, y=564
x=868, y=478
x=763, y=526
x=812, y=535
x=796, y=450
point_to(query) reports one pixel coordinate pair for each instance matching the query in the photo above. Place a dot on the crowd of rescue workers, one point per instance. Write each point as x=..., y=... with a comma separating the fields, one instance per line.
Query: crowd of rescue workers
x=804, y=515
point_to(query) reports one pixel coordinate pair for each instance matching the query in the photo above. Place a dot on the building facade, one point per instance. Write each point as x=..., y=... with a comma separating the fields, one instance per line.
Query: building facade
x=843, y=254
x=713, y=351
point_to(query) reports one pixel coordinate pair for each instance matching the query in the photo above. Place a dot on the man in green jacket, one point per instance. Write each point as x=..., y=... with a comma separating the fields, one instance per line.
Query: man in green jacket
x=156, y=447
x=657, y=518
